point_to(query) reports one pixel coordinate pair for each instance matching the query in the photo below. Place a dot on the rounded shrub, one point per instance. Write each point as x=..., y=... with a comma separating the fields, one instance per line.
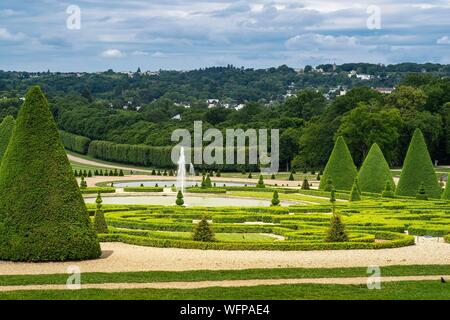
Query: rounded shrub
x=418, y=169
x=203, y=232
x=374, y=172
x=340, y=166
x=49, y=222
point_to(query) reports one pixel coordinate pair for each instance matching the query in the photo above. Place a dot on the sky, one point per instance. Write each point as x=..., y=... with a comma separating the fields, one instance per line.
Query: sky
x=96, y=35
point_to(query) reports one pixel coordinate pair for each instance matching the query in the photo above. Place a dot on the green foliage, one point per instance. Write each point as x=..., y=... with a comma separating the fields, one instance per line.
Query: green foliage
x=374, y=171
x=260, y=183
x=250, y=176
x=43, y=217
x=336, y=232
x=99, y=218
x=291, y=177
x=74, y=142
x=83, y=183
x=388, y=191
x=208, y=182
x=143, y=189
x=355, y=194
x=275, y=199
x=305, y=184
x=340, y=166
x=421, y=193
x=121, y=174
x=6, y=130
x=418, y=169
x=203, y=232
x=329, y=185
x=180, y=199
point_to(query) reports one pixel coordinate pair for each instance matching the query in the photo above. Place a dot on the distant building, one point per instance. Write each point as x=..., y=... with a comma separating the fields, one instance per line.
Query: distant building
x=385, y=90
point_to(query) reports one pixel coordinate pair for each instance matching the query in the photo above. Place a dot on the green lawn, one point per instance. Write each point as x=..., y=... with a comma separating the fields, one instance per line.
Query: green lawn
x=204, y=275
x=414, y=290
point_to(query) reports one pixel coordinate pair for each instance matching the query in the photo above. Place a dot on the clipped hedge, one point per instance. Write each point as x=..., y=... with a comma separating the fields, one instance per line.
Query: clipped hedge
x=74, y=142
x=340, y=167
x=6, y=130
x=94, y=190
x=206, y=190
x=398, y=241
x=143, y=189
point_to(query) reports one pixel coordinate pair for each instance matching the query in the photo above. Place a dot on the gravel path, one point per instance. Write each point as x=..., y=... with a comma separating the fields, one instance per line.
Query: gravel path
x=224, y=283
x=120, y=257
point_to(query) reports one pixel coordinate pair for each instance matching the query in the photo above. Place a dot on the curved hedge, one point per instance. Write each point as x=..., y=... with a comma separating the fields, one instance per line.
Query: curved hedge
x=143, y=189
x=446, y=193
x=75, y=142
x=43, y=216
x=340, y=167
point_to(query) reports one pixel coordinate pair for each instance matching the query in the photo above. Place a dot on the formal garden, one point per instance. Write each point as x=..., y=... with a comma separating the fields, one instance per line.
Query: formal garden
x=53, y=209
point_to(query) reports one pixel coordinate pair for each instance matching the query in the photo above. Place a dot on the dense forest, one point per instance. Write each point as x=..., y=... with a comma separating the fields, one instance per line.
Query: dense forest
x=144, y=109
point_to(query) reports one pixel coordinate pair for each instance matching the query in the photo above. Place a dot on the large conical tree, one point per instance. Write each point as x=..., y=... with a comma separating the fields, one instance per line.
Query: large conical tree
x=418, y=169
x=6, y=129
x=374, y=172
x=340, y=167
x=42, y=217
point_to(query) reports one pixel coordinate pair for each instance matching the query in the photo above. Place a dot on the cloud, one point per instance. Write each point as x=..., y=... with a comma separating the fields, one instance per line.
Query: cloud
x=8, y=36
x=139, y=53
x=443, y=40
x=313, y=40
x=112, y=53
x=159, y=54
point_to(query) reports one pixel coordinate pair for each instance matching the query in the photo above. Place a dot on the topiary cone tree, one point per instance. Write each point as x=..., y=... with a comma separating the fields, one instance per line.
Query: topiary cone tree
x=340, y=166
x=418, y=169
x=355, y=194
x=446, y=193
x=374, y=172
x=42, y=217
x=275, y=199
x=6, y=130
x=100, y=224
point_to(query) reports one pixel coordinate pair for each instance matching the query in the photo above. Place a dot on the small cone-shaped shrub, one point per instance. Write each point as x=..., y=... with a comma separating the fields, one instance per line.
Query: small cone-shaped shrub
x=83, y=183
x=446, y=193
x=305, y=184
x=275, y=199
x=318, y=177
x=273, y=176
x=180, y=198
x=421, y=193
x=250, y=176
x=75, y=173
x=165, y=173
x=153, y=172
x=99, y=218
x=291, y=177
x=260, y=183
x=388, y=192
x=330, y=185
x=336, y=232
x=340, y=166
x=355, y=194
x=90, y=174
x=374, y=171
x=6, y=130
x=121, y=174
x=42, y=217
x=418, y=169
x=96, y=172
x=208, y=182
x=203, y=185
x=203, y=231
x=218, y=174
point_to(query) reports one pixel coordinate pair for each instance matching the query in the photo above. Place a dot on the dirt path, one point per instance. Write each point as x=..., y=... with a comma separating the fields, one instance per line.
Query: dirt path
x=120, y=257
x=223, y=284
